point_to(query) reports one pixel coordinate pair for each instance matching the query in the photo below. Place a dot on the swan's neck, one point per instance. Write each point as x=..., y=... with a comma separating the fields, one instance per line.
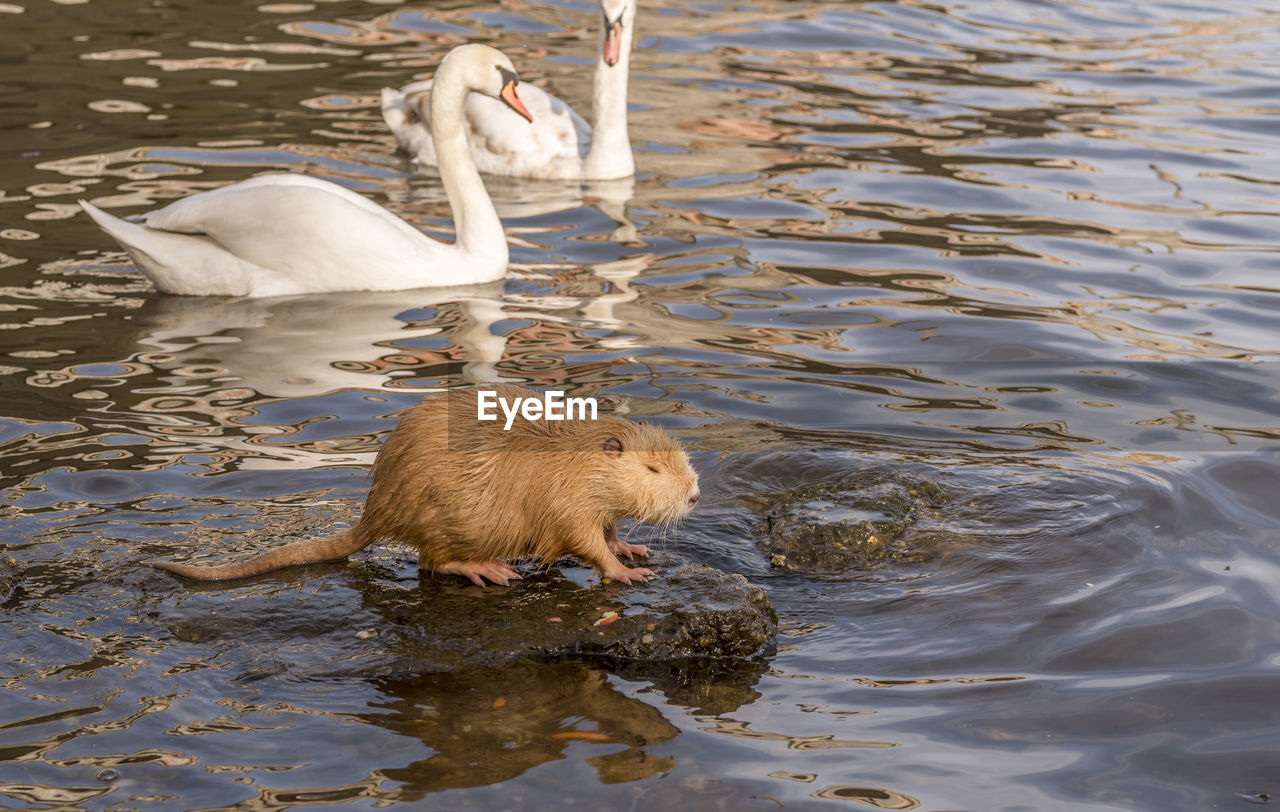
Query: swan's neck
x=480, y=234
x=610, y=154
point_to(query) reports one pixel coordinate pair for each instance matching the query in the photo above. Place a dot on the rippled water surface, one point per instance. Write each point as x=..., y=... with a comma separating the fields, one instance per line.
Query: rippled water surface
x=993, y=282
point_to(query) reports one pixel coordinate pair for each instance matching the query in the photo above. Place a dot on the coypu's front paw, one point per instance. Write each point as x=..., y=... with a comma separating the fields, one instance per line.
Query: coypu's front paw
x=630, y=575
x=620, y=547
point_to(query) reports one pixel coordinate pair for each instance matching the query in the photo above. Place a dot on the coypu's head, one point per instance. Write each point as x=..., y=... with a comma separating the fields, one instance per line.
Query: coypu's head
x=647, y=472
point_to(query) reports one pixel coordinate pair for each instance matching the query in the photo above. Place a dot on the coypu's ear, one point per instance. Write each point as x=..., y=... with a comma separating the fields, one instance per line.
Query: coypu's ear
x=613, y=447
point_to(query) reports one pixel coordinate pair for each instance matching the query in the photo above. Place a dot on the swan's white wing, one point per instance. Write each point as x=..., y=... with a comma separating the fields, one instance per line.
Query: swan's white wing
x=178, y=263
x=235, y=206
x=553, y=145
x=307, y=235
x=307, y=181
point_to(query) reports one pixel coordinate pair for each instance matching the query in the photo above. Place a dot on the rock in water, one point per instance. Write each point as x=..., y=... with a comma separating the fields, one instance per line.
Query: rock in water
x=690, y=611
x=689, y=614
x=10, y=576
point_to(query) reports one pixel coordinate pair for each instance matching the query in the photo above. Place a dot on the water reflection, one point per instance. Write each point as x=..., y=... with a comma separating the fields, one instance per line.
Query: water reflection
x=271, y=346
x=212, y=364
x=490, y=725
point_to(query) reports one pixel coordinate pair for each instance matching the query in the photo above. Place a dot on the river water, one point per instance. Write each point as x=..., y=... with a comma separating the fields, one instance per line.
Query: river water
x=996, y=282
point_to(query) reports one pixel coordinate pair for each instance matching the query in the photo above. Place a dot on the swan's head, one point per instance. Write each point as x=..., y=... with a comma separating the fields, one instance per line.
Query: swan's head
x=486, y=70
x=404, y=112
x=619, y=16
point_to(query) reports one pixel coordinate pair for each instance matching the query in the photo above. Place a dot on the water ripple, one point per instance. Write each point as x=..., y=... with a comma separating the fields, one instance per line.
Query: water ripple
x=991, y=283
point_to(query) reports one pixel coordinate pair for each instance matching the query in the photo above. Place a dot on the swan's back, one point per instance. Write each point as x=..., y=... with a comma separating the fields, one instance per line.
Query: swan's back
x=277, y=235
x=553, y=145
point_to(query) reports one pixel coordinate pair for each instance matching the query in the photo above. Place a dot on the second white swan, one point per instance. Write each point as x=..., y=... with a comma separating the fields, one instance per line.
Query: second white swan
x=558, y=143
x=280, y=234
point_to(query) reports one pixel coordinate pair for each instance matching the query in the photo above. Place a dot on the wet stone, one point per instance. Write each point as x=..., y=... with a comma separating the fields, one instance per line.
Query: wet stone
x=688, y=611
x=10, y=577
x=690, y=618
x=848, y=525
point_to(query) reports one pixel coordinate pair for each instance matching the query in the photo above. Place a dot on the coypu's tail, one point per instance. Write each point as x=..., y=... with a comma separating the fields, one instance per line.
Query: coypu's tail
x=311, y=551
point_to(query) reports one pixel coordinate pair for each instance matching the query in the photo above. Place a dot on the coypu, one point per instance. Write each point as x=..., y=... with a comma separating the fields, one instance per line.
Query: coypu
x=470, y=495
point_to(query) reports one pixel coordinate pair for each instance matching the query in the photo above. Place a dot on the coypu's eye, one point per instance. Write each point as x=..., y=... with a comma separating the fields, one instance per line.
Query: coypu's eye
x=651, y=468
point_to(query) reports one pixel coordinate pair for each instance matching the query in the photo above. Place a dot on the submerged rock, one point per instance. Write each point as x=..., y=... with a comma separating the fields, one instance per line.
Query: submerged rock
x=10, y=576
x=851, y=524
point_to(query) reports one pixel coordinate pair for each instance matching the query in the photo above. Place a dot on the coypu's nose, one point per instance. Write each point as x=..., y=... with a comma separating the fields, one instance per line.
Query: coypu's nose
x=693, y=500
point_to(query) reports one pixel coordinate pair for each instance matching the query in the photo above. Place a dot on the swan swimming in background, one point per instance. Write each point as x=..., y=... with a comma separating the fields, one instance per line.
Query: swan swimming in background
x=281, y=234
x=558, y=143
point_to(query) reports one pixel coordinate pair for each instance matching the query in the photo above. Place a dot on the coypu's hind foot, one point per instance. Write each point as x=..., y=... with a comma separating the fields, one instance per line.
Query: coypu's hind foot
x=477, y=571
x=620, y=547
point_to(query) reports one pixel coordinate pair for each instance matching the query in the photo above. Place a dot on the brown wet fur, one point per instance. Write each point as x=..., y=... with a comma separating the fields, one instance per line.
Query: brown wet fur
x=468, y=495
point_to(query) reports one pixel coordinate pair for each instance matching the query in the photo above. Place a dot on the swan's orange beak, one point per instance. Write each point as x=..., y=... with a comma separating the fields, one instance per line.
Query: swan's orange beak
x=513, y=101
x=612, y=43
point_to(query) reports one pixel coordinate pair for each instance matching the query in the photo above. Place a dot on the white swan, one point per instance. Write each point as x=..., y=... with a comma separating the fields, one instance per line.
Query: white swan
x=558, y=143
x=277, y=235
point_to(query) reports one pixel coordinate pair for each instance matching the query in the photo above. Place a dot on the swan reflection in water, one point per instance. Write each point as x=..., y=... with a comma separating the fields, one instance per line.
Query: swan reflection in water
x=219, y=369
x=306, y=346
